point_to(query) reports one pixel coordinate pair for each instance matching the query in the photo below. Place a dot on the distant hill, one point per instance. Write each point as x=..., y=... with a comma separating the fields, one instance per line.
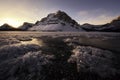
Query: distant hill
x=7, y=27
x=113, y=26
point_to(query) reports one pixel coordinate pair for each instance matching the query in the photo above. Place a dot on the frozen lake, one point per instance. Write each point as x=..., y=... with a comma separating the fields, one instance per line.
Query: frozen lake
x=103, y=40
x=59, y=55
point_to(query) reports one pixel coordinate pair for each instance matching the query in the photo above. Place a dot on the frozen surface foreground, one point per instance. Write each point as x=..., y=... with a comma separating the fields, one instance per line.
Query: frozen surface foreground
x=59, y=56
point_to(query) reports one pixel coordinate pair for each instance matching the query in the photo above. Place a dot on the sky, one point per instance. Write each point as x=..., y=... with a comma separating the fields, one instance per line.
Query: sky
x=15, y=12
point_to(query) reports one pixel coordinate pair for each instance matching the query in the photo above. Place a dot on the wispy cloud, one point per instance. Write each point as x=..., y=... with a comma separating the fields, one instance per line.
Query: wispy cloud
x=98, y=16
x=82, y=13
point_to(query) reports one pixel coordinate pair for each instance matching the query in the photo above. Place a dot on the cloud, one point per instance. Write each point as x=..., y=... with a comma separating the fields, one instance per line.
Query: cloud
x=98, y=16
x=82, y=13
x=101, y=19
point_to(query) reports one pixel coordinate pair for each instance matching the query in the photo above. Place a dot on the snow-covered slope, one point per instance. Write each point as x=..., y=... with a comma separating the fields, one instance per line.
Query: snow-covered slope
x=58, y=21
x=54, y=27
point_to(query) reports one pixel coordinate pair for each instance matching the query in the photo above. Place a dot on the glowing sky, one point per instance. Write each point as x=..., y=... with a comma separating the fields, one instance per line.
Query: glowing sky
x=15, y=12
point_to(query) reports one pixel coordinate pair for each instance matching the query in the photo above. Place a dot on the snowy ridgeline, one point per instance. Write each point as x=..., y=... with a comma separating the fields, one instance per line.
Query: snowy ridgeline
x=58, y=58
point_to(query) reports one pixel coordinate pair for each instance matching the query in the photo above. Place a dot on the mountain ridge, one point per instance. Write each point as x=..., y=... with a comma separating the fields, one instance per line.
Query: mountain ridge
x=113, y=26
x=61, y=21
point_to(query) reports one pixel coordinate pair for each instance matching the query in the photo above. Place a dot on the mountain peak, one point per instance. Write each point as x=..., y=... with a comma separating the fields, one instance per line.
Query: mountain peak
x=59, y=11
x=59, y=21
x=58, y=17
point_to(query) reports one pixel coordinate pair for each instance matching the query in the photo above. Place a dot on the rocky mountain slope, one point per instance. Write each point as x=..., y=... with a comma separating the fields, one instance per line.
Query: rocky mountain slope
x=58, y=21
x=26, y=26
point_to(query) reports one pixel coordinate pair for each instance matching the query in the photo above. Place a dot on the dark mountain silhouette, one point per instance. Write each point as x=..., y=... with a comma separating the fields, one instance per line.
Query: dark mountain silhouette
x=26, y=26
x=7, y=27
x=113, y=26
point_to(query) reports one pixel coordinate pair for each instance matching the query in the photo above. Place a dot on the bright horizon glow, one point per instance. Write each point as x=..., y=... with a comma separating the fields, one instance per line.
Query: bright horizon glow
x=12, y=22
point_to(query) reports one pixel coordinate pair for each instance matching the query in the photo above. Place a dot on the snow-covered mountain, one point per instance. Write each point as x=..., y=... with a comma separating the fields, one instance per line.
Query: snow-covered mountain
x=113, y=26
x=58, y=21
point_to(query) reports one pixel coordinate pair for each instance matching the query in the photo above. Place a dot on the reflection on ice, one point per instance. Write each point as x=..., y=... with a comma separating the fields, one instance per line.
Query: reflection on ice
x=33, y=41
